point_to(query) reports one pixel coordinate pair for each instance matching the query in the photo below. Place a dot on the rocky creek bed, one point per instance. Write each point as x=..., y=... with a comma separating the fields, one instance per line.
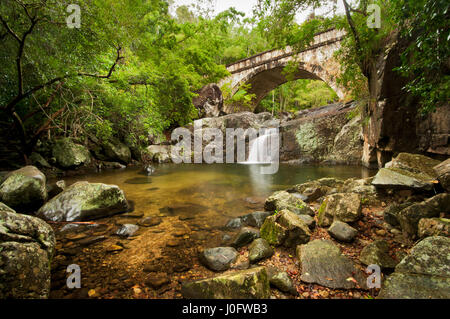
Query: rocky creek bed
x=311, y=240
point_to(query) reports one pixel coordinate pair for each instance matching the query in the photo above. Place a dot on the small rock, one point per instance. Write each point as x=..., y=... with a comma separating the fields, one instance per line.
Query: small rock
x=282, y=281
x=156, y=281
x=91, y=240
x=342, y=231
x=245, y=236
x=150, y=221
x=377, y=253
x=172, y=243
x=127, y=230
x=114, y=248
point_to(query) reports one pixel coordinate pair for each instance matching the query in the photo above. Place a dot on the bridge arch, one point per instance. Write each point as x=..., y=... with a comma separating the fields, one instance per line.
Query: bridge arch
x=264, y=72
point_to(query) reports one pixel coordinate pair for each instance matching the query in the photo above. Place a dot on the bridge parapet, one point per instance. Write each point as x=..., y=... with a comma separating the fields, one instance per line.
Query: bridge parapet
x=320, y=39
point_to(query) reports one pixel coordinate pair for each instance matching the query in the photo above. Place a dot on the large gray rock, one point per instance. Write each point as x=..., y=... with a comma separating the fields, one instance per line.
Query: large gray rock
x=377, y=253
x=424, y=273
x=85, y=201
x=219, y=258
x=259, y=250
x=27, y=245
x=246, y=284
x=409, y=217
x=323, y=263
x=255, y=219
x=24, y=189
x=115, y=150
x=342, y=231
x=70, y=155
x=407, y=171
x=345, y=207
x=442, y=172
x=284, y=200
x=390, y=214
x=285, y=228
x=159, y=153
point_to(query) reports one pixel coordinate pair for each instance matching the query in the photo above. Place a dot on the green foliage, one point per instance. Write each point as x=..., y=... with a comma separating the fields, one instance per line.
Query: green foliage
x=426, y=60
x=241, y=99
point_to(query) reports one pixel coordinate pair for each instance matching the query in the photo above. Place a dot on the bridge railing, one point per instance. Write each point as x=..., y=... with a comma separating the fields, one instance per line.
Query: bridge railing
x=320, y=39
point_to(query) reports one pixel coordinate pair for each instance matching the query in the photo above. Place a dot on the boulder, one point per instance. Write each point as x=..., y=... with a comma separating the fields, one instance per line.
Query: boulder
x=433, y=227
x=390, y=214
x=423, y=274
x=116, y=151
x=297, y=231
x=209, y=101
x=37, y=160
x=255, y=219
x=308, y=220
x=343, y=207
x=348, y=142
x=442, y=172
x=401, y=179
x=24, y=189
x=27, y=246
x=377, y=253
x=85, y=201
x=245, y=236
x=272, y=232
x=323, y=263
x=219, y=258
x=259, y=249
x=409, y=217
x=234, y=223
x=284, y=200
x=281, y=281
x=311, y=191
x=70, y=155
x=159, y=153
x=415, y=164
x=342, y=231
x=245, y=284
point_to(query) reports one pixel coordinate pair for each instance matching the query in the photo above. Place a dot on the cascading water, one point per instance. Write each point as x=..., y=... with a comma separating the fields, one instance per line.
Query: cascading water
x=260, y=149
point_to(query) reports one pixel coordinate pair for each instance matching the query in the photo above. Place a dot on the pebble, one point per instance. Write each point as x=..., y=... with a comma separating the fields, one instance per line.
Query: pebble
x=380, y=232
x=172, y=243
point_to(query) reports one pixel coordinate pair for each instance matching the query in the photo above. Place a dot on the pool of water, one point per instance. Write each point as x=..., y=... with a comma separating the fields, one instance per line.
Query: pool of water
x=213, y=193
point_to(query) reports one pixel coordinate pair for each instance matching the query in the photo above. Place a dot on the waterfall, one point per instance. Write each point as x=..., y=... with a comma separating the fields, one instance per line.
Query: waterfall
x=260, y=149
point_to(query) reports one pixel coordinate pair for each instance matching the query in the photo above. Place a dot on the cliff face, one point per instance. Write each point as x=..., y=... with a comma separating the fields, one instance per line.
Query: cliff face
x=394, y=124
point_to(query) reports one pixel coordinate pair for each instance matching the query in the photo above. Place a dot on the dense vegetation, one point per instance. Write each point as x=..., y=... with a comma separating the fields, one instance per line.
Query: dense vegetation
x=133, y=68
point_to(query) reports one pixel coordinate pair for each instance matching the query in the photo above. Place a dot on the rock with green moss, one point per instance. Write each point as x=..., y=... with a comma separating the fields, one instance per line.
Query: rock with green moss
x=24, y=189
x=85, y=201
x=259, y=250
x=433, y=227
x=297, y=230
x=442, y=172
x=115, y=150
x=409, y=217
x=272, y=232
x=424, y=273
x=377, y=253
x=246, y=284
x=37, y=160
x=281, y=280
x=70, y=155
x=27, y=245
x=323, y=263
x=345, y=207
x=414, y=163
x=390, y=214
x=159, y=153
x=284, y=200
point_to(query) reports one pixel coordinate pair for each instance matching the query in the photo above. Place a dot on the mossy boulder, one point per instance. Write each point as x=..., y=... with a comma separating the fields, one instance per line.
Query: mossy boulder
x=323, y=263
x=69, y=155
x=284, y=200
x=85, y=201
x=24, y=189
x=423, y=274
x=377, y=253
x=259, y=250
x=407, y=171
x=27, y=245
x=285, y=228
x=245, y=284
x=345, y=207
x=115, y=150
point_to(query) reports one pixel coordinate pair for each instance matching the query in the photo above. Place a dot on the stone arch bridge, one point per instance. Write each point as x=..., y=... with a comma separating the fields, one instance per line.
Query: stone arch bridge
x=264, y=71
